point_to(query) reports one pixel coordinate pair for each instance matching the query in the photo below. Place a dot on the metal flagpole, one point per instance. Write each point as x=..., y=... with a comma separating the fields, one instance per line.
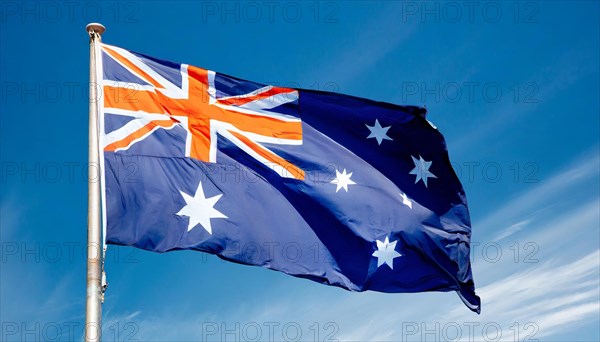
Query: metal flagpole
x=93, y=306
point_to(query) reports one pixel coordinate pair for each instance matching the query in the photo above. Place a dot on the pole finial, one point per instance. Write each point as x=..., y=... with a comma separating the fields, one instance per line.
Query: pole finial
x=95, y=28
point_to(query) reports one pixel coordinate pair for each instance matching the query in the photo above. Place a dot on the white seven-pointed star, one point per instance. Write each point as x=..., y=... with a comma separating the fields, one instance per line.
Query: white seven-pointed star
x=200, y=209
x=406, y=201
x=421, y=170
x=386, y=252
x=378, y=132
x=342, y=180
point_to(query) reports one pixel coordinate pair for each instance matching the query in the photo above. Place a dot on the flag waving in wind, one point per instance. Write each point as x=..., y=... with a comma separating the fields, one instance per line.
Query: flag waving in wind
x=337, y=189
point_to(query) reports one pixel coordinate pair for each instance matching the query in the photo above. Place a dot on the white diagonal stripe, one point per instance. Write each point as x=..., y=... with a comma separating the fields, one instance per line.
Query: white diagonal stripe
x=250, y=94
x=128, y=85
x=124, y=131
x=169, y=89
x=258, y=112
x=272, y=101
x=136, y=114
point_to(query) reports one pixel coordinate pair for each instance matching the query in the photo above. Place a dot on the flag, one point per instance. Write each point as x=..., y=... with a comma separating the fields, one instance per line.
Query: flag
x=337, y=189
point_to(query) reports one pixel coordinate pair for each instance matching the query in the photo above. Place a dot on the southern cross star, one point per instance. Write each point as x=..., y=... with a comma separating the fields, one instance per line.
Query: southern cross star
x=421, y=170
x=200, y=209
x=386, y=252
x=342, y=180
x=378, y=132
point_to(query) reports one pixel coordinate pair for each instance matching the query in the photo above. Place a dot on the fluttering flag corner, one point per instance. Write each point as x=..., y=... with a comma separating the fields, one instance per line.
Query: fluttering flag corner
x=338, y=189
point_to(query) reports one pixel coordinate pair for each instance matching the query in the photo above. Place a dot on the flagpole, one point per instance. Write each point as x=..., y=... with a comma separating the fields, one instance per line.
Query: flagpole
x=93, y=306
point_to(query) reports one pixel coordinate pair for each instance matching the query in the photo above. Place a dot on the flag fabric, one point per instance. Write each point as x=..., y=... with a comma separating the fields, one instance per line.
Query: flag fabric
x=337, y=189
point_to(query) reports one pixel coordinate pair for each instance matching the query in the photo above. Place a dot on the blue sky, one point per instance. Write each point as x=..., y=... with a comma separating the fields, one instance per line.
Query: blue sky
x=513, y=86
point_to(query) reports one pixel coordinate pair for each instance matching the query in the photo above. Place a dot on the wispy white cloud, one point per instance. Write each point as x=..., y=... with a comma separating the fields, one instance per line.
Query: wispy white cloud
x=512, y=229
x=548, y=192
x=542, y=299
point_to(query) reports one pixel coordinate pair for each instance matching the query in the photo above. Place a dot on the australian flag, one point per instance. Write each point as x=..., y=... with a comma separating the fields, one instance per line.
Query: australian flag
x=341, y=190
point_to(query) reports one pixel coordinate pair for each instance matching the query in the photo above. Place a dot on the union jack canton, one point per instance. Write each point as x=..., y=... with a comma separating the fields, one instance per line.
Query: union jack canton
x=186, y=101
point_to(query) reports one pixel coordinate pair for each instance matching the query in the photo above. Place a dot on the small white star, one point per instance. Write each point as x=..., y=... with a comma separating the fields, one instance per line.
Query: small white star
x=386, y=252
x=200, y=209
x=378, y=132
x=342, y=180
x=406, y=201
x=421, y=170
